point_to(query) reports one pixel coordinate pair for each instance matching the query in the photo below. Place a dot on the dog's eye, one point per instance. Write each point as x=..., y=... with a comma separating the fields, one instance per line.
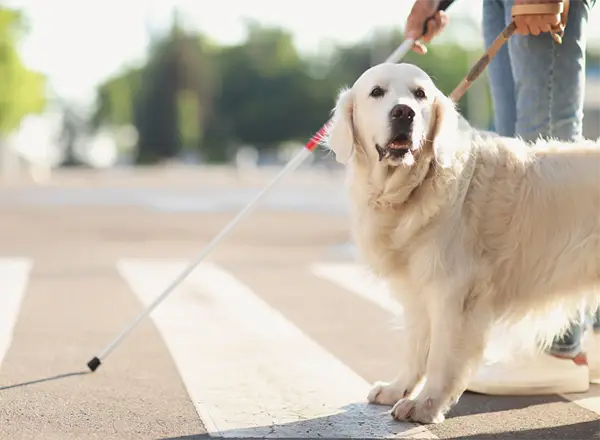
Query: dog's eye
x=419, y=93
x=377, y=92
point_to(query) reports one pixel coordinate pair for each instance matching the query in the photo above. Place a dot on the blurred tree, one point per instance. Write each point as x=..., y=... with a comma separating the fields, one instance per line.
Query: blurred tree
x=155, y=115
x=72, y=129
x=21, y=90
x=265, y=94
x=115, y=99
x=167, y=100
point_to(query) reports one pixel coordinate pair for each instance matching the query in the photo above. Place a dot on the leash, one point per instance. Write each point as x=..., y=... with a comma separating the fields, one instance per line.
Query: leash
x=483, y=62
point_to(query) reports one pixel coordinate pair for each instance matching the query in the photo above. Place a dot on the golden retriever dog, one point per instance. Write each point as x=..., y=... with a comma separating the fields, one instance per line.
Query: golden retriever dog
x=469, y=230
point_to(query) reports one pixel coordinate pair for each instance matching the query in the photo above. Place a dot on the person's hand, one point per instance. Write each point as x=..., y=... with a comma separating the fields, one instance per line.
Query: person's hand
x=534, y=17
x=421, y=11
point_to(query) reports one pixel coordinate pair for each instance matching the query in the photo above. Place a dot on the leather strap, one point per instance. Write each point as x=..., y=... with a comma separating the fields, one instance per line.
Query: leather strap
x=483, y=62
x=538, y=8
x=554, y=8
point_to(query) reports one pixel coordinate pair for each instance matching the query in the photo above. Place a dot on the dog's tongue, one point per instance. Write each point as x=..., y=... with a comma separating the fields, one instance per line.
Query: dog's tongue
x=397, y=145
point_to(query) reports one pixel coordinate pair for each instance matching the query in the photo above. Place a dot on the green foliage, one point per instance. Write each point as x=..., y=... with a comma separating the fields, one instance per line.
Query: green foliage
x=21, y=90
x=196, y=96
x=116, y=99
x=265, y=95
x=188, y=107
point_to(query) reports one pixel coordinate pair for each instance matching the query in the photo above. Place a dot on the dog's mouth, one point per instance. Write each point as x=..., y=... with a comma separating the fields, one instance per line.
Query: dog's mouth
x=396, y=148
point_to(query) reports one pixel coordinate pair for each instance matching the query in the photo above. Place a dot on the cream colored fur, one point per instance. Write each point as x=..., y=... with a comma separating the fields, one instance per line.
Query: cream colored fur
x=469, y=231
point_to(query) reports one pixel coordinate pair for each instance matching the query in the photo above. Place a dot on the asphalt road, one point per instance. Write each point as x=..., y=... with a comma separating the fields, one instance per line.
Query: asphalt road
x=278, y=334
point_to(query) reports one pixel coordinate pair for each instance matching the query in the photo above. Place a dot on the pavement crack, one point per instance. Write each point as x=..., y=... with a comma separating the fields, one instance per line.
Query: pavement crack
x=272, y=429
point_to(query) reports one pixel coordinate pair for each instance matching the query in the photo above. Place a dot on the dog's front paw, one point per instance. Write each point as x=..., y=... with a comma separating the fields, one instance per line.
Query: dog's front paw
x=415, y=410
x=384, y=393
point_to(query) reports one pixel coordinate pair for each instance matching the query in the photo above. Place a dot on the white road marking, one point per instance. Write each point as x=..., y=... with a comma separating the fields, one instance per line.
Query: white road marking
x=589, y=400
x=352, y=277
x=14, y=273
x=251, y=372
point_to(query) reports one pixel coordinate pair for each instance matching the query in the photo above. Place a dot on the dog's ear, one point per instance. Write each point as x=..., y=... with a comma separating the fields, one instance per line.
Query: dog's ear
x=340, y=133
x=442, y=130
x=436, y=117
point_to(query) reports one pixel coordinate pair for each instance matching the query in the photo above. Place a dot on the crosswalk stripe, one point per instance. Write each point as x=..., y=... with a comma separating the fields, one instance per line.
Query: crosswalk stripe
x=250, y=371
x=351, y=277
x=591, y=403
x=14, y=274
x=357, y=280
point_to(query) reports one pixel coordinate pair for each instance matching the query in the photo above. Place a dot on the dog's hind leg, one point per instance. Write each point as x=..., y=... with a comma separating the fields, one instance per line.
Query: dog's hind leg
x=413, y=349
x=459, y=332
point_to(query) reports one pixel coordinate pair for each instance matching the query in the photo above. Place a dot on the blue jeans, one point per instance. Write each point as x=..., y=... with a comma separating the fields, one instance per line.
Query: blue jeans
x=537, y=89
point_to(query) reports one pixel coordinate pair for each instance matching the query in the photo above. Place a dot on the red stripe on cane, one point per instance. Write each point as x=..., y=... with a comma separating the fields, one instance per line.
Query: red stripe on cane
x=314, y=141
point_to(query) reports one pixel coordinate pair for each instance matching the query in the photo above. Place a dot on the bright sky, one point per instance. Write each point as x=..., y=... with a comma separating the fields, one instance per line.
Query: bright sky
x=79, y=43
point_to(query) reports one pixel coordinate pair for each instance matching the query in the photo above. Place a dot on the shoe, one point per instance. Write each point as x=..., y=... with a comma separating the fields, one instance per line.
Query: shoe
x=539, y=375
x=591, y=344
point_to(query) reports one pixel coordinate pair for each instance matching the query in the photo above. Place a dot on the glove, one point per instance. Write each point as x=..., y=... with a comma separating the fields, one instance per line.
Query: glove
x=538, y=16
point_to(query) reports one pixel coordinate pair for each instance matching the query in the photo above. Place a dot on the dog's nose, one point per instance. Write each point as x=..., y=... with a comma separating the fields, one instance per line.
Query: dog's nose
x=402, y=111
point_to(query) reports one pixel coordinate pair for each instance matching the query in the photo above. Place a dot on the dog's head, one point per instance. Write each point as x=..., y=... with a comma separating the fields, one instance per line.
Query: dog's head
x=391, y=114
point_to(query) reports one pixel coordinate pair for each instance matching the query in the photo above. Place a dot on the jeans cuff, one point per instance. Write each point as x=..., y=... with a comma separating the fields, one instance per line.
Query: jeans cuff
x=565, y=350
